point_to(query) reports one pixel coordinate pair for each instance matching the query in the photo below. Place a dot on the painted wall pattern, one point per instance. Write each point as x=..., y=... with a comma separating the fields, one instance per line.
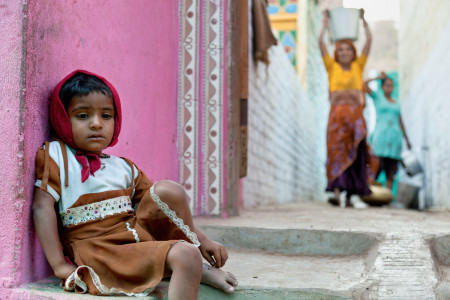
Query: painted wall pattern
x=201, y=115
x=282, y=6
x=188, y=99
x=213, y=114
x=283, y=15
x=289, y=41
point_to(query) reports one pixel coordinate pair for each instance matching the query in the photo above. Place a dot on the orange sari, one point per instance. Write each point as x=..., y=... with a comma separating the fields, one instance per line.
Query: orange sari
x=346, y=140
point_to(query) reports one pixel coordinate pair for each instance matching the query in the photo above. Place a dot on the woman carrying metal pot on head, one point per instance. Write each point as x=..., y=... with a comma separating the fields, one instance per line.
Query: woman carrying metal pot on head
x=350, y=163
x=386, y=140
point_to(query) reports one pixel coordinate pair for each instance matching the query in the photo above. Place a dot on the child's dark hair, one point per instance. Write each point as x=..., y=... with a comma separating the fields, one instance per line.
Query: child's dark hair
x=386, y=79
x=82, y=85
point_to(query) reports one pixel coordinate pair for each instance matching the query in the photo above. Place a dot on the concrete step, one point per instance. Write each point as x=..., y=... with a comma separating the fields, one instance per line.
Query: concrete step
x=292, y=241
x=325, y=264
x=441, y=249
x=275, y=264
x=49, y=289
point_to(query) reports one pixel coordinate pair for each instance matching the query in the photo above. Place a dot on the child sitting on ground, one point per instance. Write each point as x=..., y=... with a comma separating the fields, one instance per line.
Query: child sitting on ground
x=116, y=249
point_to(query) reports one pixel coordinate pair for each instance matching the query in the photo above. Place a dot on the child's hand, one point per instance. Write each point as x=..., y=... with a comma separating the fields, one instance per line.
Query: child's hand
x=214, y=253
x=64, y=271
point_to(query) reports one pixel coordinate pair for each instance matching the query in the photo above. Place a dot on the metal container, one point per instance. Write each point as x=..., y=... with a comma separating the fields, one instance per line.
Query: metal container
x=344, y=23
x=411, y=163
x=408, y=195
x=379, y=196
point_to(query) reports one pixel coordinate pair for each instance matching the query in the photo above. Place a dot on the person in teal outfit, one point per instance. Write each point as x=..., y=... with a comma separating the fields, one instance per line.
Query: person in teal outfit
x=386, y=140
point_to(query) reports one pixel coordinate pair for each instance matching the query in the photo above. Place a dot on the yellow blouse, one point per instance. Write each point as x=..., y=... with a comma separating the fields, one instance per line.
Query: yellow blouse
x=341, y=80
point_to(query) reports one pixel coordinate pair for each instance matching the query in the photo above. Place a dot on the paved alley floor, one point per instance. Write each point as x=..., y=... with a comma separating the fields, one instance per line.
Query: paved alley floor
x=327, y=217
x=341, y=253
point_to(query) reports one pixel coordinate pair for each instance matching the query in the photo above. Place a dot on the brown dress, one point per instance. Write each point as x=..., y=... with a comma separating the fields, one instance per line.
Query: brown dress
x=118, y=251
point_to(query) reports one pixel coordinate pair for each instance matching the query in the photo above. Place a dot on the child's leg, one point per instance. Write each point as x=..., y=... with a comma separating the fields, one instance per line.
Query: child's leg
x=174, y=195
x=184, y=263
x=391, y=170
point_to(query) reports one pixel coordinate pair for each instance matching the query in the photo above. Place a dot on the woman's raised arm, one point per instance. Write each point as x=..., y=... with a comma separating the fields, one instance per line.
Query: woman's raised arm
x=368, y=43
x=366, y=83
x=325, y=24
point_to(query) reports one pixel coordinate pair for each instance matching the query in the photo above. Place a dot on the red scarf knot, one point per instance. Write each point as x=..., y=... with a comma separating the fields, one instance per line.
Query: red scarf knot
x=90, y=162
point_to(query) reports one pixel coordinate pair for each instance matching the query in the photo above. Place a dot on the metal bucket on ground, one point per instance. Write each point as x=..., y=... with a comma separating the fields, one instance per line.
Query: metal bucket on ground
x=344, y=23
x=411, y=163
x=407, y=195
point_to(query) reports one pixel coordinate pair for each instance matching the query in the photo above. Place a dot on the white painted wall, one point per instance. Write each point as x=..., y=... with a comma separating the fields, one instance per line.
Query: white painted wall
x=425, y=77
x=286, y=151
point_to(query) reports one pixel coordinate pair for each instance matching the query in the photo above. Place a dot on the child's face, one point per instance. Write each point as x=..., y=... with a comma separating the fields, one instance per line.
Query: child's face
x=92, y=120
x=388, y=86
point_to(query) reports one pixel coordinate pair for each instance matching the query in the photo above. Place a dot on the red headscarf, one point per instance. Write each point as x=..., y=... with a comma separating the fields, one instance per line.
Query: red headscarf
x=348, y=42
x=63, y=128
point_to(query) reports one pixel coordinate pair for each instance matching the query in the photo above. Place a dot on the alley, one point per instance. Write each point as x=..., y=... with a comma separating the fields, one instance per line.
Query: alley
x=234, y=104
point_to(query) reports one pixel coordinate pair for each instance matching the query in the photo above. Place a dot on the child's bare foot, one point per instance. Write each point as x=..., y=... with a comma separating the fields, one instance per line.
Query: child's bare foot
x=217, y=278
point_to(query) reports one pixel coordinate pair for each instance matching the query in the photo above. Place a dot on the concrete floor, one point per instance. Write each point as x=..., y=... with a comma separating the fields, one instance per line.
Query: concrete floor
x=399, y=265
x=326, y=217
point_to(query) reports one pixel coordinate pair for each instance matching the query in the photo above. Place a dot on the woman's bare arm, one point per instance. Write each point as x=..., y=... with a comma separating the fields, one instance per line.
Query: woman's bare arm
x=366, y=83
x=325, y=23
x=368, y=43
x=46, y=225
x=404, y=133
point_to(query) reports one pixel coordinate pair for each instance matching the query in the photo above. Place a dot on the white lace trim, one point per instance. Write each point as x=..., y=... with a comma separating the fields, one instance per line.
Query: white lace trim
x=136, y=237
x=75, y=281
x=173, y=216
x=97, y=210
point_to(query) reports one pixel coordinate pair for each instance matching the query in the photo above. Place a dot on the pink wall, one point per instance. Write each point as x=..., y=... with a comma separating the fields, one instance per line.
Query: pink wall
x=11, y=101
x=135, y=46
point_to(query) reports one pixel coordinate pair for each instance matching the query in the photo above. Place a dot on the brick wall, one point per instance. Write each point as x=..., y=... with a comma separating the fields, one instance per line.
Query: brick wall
x=425, y=103
x=286, y=158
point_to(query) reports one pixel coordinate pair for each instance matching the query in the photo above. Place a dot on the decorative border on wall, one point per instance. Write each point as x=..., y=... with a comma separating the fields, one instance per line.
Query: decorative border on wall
x=213, y=106
x=200, y=115
x=188, y=99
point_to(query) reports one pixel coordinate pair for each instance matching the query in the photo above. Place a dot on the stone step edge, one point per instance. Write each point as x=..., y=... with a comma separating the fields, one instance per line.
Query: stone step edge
x=49, y=288
x=294, y=241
